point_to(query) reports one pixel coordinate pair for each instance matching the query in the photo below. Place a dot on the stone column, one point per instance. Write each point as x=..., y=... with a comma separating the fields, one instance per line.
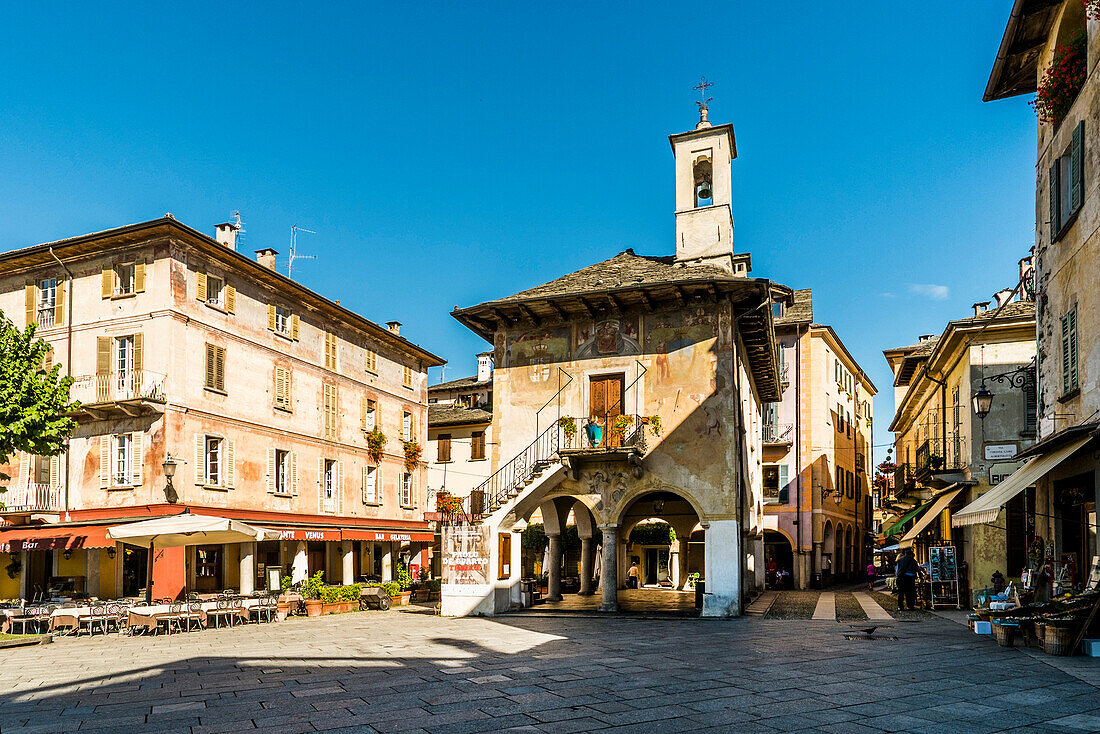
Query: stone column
x=248, y=567
x=24, y=559
x=587, y=562
x=91, y=574
x=387, y=562
x=349, y=562
x=609, y=574
x=553, y=586
x=300, y=568
x=682, y=551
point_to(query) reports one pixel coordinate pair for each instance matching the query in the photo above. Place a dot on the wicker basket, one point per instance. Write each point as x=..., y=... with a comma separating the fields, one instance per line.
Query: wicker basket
x=1057, y=640
x=1005, y=634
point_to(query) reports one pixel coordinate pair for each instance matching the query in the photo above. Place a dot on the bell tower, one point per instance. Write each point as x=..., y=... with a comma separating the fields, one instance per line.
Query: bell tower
x=704, y=213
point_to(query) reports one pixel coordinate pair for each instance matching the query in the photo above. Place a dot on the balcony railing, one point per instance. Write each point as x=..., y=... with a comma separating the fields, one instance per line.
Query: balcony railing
x=777, y=432
x=118, y=387
x=903, y=479
x=936, y=455
x=30, y=497
x=784, y=373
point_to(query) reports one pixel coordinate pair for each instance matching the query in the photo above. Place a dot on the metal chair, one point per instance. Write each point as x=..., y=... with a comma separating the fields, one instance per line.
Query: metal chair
x=97, y=618
x=237, y=605
x=221, y=613
x=173, y=619
x=29, y=616
x=194, y=615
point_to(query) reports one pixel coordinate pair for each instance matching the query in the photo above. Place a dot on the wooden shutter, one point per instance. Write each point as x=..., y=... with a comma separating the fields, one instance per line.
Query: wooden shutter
x=230, y=464
x=47, y=358
x=282, y=387
x=200, y=458
x=211, y=375
x=783, y=494
x=55, y=471
x=294, y=473
x=365, y=478
x=200, y=286
x=294, y=326
x=598, y=398
x=477, y=445
x=1077, y=167
x=1054, y=201
x=139, y=276
x=371, y=361
x=271, y=317
x=230, y=298
x=139, y=349
x=104, y=462
x=137, y=458
x=59, y=304
x=443, y=447
x=271, y=458
x=339, y=504
x=330, y=351
x=320, y=484
x=363, y=413
x=219, y=364
x=108, y=282
x=31, y=299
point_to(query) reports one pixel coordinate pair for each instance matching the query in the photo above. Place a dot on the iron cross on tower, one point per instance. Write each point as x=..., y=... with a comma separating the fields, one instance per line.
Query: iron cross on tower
x=702, y=88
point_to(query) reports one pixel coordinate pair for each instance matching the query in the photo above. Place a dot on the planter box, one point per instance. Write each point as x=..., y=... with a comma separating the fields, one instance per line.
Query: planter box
x=402, y=598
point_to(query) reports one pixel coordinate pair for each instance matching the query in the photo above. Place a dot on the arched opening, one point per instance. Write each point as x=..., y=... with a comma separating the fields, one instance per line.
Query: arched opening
x=778, y=560
x=701, y=171
x=828, y=549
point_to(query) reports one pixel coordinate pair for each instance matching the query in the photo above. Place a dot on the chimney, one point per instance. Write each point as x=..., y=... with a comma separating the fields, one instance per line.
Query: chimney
x=924, y=337
x=1002, y=296
x=981, y=307
x=266, y=257
x=394, y=327
x=226, y=234
x=484, y=366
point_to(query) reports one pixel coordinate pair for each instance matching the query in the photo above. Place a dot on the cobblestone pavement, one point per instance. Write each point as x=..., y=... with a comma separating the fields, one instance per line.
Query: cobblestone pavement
x=407, y=672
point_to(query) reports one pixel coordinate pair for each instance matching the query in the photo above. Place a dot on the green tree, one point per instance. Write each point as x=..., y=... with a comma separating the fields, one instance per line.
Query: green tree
x=33, y=400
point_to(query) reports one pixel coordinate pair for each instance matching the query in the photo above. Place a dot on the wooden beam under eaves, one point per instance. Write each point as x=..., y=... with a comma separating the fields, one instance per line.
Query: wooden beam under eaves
x=556, y=309
x=679, y=293
x=587, y=307
x=616, y=307
x=646, y=299
x=531, y=315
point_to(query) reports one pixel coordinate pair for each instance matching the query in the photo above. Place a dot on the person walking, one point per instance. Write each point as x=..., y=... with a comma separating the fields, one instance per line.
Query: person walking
x=632, y=576
x=872, y=572
x=908, y=570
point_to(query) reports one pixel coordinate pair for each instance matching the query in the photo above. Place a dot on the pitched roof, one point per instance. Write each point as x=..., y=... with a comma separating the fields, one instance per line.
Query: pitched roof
x=1014, y=69
x=801, y=310
x=1015, y=309
x=449, y=414
x=460, y=383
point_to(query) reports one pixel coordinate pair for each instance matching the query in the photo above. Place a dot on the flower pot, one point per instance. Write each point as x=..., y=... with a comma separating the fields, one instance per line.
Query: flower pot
x=332, y=607
x=594, y=434
x=313, y=607
x=402, y=598
x=282, y=609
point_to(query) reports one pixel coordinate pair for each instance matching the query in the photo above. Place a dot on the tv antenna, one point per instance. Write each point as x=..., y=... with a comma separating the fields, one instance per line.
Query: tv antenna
x=240, y=227
x=294, y=230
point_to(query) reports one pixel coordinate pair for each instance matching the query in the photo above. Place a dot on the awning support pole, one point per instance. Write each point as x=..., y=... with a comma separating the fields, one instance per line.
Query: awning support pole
x=149, y=574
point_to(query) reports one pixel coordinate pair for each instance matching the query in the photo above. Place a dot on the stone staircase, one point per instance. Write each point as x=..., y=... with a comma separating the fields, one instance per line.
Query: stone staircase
x=528, y=470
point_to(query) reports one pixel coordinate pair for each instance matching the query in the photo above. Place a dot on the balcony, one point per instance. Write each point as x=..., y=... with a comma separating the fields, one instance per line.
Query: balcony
x=938, y=462
x=784, y=373
x=628, y=443
x=903, y=480
x=120, y=394
x=29, y=498
x=777, y=434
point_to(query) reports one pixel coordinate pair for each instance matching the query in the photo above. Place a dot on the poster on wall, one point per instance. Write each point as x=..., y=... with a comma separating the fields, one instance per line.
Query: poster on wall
x=466, y=560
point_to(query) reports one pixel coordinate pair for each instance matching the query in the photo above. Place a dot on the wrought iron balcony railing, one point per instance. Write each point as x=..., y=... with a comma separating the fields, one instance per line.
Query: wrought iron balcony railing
x=777, y=433
x=118, y=387
x=32, y=497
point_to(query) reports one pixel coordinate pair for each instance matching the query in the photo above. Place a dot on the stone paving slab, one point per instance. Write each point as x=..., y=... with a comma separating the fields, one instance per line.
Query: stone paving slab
x=871, y=608
x=393, y=672
x=826, y=607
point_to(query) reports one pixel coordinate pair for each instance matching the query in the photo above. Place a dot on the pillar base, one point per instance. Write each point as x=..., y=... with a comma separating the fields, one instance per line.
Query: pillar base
x=553, y=598
x=609, y=608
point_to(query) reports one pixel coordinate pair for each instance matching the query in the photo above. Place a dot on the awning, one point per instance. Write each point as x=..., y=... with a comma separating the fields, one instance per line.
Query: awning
x=933, y=512
x=887, y=549
x=900, y=524
x=55, y=537
x=988, y=506
x=327, y=534
x=187, y=529
x=385, y=536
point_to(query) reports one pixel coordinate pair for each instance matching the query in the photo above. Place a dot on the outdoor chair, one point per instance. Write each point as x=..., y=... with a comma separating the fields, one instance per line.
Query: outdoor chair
x=97, y=618
x=265, y=610
x=237, y=605
x=118, y=614
x=193, y=618
x=222, y=613
x=173, y=619
x=28, y=617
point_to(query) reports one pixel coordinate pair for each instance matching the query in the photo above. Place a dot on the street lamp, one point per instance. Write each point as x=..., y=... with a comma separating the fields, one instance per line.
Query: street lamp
x=983, y=401
x=169, y=467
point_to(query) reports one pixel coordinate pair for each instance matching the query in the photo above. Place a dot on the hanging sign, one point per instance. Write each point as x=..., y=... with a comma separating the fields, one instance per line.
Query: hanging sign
x=1000, y=451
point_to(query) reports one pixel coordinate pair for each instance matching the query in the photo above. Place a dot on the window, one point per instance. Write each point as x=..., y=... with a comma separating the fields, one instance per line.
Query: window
x=370, y=361
x=407, y=483
x=407, y=377
x=406, y=426
x=329, y=402
x=215, y=291
x=1031, y=405
x=370, y=485
x=328, y=480
x=849, y=483
x=214, y=462
x=840, y=417
x=443, y=447
x=504, y=567
x=775, y=484
x=368, y=409
x=282, y=388
x=330, y=351
x=1067, y=183
x=1069, y=350
x=281, y=321
x=477, y=445
x=47, y=302
x=282, y=471
x=120, y=458
x=215, y=368
x=125, y=279
x=123, y=455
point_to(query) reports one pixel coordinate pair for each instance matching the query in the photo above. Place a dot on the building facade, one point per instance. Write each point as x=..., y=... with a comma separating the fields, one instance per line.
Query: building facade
x=817, y=452
x=630, y=390
x=460, y=432
x=260, y=392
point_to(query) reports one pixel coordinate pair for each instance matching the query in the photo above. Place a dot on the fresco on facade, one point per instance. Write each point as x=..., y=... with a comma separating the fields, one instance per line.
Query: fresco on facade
x=676, y=339
x=608, y=338
x=538, y=349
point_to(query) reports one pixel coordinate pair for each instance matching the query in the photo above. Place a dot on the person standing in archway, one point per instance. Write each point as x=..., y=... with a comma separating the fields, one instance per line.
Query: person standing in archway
x=632, y=575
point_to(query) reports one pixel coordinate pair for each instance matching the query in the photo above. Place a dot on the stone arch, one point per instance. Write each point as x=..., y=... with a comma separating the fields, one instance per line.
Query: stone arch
x=828, y=544
x=632, y=495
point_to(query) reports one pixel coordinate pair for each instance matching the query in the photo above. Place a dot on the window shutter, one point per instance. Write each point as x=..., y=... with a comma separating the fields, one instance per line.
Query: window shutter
x=139, y=276
x=137, y=458
x=219, y=364
x=59, y=304
x=104, y=462
x=55, y=471
x=47, y=358
x=294, y=326
x=270, y=471
x=1077, y=167
x=31, y=299
x=1065, y=353
x=200, y=286
x=139, y=349
x=210, y=373
x=230, y=465
x=271, y=317
x=230, y=298
x=200, y=458
x=108, y=282
x=339, y=487
x=320, y=484
x=366, y=494
x=294, y=473
x=1073, y=347
x=1054, y=215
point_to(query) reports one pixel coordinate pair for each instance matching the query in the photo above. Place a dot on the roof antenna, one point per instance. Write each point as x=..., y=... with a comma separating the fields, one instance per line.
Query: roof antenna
x=294, y=230
x=240, y=227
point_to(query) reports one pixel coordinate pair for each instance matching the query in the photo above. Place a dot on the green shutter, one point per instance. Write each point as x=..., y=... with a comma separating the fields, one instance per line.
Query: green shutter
x=1054, y=218
x=784, y=494
x=1077, y=167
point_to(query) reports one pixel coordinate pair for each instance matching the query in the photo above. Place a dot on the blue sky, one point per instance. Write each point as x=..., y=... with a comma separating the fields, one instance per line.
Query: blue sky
x=451, y=153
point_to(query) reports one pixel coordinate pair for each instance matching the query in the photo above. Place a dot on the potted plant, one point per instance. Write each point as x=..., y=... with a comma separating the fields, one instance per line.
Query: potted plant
x=1062, y=81
x=655, y=424
x=376, y=444
x=447, y=504
x=594, y=432
x=403, y=581
x=568, y=427
x=412, y=454
x=619, y=428
x=330, y=600
x=283, y=603
x=311, y=593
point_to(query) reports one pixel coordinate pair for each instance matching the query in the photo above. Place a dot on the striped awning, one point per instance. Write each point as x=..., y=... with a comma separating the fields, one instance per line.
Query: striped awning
x=933, y=512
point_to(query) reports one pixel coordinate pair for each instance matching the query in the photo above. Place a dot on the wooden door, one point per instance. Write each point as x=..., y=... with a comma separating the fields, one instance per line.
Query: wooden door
x=606, y=402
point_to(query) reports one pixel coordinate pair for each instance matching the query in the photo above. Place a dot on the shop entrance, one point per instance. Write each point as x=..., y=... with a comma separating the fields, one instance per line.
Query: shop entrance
x=208, y=568
x=39, y=567
x=135, y=567
x=316, y=558
x=778, y=560
x=656, y=566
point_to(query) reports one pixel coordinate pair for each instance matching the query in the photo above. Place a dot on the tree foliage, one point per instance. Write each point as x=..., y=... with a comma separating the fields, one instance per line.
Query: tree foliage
x=33, y=400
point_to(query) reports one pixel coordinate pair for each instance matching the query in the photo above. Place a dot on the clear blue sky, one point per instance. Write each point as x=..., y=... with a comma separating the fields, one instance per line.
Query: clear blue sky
x=452, y=153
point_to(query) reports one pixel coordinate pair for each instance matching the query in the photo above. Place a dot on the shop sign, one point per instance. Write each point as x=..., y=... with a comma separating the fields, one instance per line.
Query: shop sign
x=466, y=561
x=1000, y=451
x=1000, y=472
x=300, y=534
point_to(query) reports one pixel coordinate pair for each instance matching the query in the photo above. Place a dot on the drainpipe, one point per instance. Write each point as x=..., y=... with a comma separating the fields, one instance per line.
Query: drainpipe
x=68, y=362
x=798, y=450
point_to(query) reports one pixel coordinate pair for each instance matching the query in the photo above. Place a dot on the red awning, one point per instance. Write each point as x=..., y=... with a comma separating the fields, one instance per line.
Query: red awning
x=55, y=537
x=383, y=536
x=308, y=534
